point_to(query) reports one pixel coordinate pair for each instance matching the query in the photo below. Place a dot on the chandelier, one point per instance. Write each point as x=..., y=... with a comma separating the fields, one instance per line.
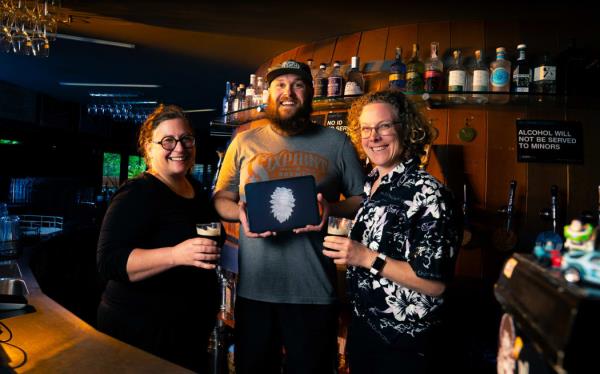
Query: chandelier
x=27, y=27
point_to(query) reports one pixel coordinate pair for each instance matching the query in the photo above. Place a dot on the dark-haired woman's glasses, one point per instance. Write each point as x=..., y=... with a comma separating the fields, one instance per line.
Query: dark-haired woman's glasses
x=170, y=142
x=384, y=129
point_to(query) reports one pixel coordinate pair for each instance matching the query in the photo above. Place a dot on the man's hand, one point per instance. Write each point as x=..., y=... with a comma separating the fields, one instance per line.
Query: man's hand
x=246, y=227
x=324, y=207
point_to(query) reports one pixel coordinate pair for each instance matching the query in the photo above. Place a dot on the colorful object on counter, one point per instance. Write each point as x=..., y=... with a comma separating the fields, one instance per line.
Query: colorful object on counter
x=582, y=266
x=579, y=236
x=548, y=245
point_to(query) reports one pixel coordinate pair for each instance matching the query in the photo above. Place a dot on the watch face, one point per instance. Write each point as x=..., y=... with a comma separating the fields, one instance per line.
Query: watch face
x=377, y=265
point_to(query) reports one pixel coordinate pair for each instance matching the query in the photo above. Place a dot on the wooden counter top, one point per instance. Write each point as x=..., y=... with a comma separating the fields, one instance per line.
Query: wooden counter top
x=56, y=341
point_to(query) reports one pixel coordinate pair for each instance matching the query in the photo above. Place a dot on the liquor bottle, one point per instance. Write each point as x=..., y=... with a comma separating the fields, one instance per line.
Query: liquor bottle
x=335, y=82
x=320, y=81
x=397, y=77
x=481, y=78
x=355, y=82
x=434, y=70
x=521, y=77
x=258, y=91
x=239, y=101
x=414, y=72
x=572, y=64
x=457, y=77
x=544, y=76
x=227, y=98
x=250, y=92
x=500, y=72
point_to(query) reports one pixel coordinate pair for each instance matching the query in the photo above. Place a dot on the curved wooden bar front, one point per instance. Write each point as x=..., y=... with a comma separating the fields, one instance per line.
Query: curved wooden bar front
x=57, y=341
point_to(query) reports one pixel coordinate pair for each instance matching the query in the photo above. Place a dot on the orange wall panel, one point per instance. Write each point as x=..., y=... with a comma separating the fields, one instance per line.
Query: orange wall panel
x=400, y=36
x=372, y=45
x=323, y=51
x=346, y=47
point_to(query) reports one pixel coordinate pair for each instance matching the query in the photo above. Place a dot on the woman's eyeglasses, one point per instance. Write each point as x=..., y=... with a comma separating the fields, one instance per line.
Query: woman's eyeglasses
x=384, y=129
x=170, y=142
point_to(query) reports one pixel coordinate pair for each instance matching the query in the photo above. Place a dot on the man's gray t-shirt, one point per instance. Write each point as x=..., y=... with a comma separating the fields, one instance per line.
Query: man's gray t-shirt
x=289, y=268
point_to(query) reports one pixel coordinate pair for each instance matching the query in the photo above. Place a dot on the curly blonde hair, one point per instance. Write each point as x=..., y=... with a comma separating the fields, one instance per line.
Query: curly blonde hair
x=413, y=130
x=161, y=113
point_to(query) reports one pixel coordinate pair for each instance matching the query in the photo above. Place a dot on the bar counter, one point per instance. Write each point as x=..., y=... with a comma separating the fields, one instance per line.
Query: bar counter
x=56, y=340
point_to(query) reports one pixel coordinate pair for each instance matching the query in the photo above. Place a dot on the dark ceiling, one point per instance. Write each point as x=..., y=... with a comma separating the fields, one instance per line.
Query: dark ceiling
x=190, y=48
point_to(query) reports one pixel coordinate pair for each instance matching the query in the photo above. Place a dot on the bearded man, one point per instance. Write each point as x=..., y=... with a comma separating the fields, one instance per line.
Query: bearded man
x=286, y=300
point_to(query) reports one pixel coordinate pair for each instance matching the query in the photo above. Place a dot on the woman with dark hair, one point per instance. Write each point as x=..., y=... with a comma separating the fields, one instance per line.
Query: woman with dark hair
x=402, y=247
x=162, y=293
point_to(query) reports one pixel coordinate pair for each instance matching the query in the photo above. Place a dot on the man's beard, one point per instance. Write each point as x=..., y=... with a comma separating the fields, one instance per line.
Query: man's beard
x=296, y=124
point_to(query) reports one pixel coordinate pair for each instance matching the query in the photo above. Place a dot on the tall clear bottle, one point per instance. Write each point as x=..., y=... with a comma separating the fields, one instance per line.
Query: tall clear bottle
x=480, y=79
x=434, y=70
x=457, y=77
x=521, y=78
x=335, y=81
x=397, y=76
x=544, y=76
x=258, y=91
x=414, y=72
x=355, y=82
x=500, y=72
x=250, y=92
x=227, y=100
x=320, y=81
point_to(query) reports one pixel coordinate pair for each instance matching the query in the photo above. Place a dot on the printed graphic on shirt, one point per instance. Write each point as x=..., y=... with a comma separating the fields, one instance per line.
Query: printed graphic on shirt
x=285, y=164
x=282, y=203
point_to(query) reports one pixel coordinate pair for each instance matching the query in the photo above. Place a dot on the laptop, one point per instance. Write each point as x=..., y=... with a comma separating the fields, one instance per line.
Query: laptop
x=282, y=204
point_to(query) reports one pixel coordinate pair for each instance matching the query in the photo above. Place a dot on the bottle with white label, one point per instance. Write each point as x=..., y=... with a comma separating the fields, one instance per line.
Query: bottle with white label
x=522, y=74
x=335, y=81
x=355, y=83
x=544, y=76
x=457, y=77
x=500, y=72
x=481, y=78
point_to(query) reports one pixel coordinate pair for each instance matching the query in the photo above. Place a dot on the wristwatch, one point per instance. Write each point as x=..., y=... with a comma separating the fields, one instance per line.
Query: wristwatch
x=378, y=264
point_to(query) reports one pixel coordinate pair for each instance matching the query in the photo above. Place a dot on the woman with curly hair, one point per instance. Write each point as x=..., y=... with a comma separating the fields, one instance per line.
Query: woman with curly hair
x=402, y=247
x=162, y=292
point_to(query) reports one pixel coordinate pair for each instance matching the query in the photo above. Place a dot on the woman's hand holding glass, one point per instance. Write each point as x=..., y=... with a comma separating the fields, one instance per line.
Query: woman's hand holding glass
x=198, y=252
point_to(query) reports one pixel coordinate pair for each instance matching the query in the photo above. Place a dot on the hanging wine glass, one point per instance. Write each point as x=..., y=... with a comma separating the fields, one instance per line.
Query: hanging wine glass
x=6, y=39
x=49, y=21
x=22, y=42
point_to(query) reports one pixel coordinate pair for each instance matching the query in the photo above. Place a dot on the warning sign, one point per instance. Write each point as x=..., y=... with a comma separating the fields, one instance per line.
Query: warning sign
x=549, y=141
x=337, y=120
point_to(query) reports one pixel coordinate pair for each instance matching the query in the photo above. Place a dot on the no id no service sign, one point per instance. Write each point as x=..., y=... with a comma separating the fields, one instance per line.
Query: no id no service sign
x=549, y=141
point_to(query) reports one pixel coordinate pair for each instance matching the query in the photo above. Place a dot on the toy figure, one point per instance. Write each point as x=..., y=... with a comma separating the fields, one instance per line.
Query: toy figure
x=579, y=237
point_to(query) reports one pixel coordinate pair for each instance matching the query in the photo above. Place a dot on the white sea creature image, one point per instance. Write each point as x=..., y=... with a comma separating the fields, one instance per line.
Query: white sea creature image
x=282, y=203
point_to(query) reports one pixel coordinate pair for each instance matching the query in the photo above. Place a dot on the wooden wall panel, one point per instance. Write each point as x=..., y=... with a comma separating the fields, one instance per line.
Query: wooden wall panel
x=540, y=177
x=501, y=34
x=438, y=156
x=540, y=37
x=467, y=36
x=288, y=55
x=585, y=179
x=263, y=69
x=372, y=45
x=473, y=153
x=346, y=47
x=433, y=32
x=400, y=36
x=323, y=51
x=502, y=162
x=306, y=52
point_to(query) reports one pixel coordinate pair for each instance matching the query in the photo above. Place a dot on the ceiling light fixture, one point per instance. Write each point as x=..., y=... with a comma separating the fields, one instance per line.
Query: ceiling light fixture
x=128, y=85
x=198, y=110
x=95, y=41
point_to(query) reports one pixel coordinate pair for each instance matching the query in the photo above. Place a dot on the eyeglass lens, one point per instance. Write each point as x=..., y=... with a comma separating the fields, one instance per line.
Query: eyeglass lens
x=169, y=143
